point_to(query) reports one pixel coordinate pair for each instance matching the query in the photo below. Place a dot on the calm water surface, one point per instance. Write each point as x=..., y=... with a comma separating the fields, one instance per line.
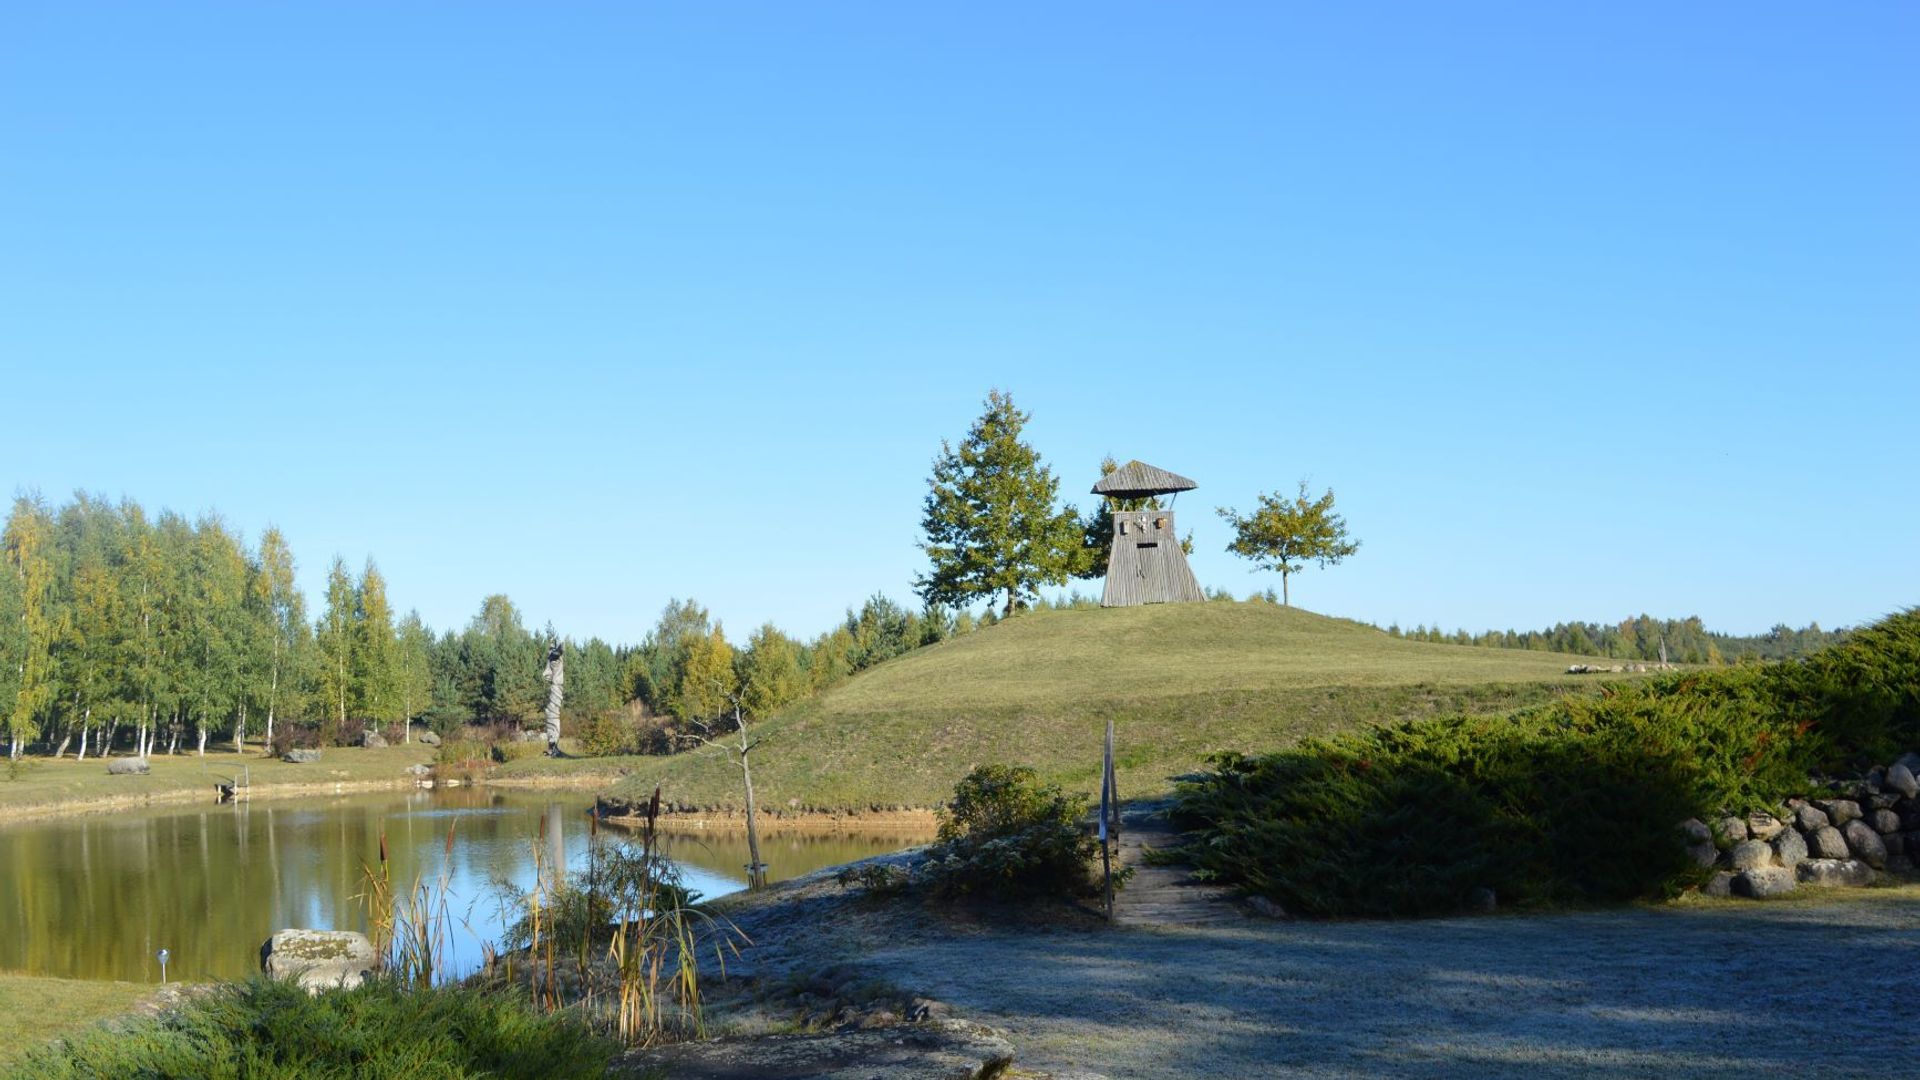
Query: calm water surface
x=96, y=897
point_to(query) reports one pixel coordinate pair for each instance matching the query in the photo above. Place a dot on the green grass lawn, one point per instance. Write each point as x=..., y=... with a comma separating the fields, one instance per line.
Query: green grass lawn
x=1179, y=680
x=35, y=1010
x=41, y=782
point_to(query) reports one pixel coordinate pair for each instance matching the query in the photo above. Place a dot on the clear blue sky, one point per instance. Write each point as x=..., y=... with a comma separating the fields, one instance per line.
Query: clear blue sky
x=1582, y=313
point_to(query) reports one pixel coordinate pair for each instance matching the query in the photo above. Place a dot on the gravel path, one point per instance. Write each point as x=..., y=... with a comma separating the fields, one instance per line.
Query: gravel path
x=1814, y=986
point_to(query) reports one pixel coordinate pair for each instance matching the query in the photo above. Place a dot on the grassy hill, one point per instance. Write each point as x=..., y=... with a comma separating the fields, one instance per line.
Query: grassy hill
x=1180, y=681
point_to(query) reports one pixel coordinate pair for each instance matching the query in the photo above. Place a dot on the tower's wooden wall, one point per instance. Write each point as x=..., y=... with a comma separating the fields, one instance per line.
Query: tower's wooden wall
x=1148, y=565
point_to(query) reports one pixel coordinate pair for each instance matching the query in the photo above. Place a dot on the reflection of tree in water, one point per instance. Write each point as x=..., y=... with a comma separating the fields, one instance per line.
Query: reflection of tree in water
x=96, y=896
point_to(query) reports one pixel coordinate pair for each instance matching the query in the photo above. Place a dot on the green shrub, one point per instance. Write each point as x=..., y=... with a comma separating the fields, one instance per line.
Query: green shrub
x=263, y=1030
x=1007, y=836
x=1572, y=802
x=606, y=734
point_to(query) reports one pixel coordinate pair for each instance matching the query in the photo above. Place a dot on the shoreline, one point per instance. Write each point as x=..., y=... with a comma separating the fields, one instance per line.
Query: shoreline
x=108, y=804
x=816, y=821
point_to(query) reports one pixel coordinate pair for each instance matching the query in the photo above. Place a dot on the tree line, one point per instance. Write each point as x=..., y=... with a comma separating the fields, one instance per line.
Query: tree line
x=121, y=630
x=1643, y=638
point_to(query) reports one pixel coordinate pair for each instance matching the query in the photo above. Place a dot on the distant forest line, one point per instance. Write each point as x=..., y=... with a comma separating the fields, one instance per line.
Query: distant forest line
x=1685, y=641
x=125, y=630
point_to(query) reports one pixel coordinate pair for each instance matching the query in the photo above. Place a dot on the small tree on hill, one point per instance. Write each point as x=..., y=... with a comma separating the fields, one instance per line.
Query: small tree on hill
x=990, y=521
x=1286, y=534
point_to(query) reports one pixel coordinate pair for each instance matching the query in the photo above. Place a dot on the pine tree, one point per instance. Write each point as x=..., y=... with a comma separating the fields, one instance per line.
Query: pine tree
x=989, y=518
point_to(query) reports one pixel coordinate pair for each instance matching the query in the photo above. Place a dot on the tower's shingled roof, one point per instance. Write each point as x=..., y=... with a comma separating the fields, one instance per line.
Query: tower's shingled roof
x=1139, y=480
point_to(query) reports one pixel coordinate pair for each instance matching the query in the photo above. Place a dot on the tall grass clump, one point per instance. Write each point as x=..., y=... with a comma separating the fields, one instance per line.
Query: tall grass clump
x=1572, y=802
x=621, y=939
x=265, y=1030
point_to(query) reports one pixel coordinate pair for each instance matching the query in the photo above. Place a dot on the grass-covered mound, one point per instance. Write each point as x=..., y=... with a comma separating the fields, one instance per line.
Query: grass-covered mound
x=1180, y=680
x=261, y=1030
x=1572, y=802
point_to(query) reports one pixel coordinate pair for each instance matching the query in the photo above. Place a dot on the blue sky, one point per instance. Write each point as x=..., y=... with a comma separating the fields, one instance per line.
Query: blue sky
x=1581, y=313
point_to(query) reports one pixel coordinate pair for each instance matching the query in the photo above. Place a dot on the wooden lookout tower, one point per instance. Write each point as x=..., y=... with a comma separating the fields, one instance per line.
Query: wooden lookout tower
x=1148, y=565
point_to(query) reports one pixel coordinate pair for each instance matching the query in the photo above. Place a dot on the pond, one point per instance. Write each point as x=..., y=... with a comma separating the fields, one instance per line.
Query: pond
x=97, y=896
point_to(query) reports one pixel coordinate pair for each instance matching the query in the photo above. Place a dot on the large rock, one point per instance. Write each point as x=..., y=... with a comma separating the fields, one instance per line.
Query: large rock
x=1732, y=829
x=1699, y=840
x=372, y=739
x=934, y=1050
x=1763, y=826
x=128, y=766
x=1763, y=882
x=1839, y=811
x=1719, y=885
x=1809, y=818
x=1884, y=821
x=1900, y=778
x=1866, y=844
x=1789, y=849
x=425, y=737
x=1834, y=872
x=300, y=757
x=1827, y=843
x=1750, y=854
x=318, y=959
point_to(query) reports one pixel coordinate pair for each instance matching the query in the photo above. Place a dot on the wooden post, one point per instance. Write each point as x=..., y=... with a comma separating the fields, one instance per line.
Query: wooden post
x=1109, y=820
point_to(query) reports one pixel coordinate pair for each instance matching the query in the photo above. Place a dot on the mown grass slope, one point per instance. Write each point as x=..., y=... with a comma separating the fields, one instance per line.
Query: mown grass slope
x=1181, y=681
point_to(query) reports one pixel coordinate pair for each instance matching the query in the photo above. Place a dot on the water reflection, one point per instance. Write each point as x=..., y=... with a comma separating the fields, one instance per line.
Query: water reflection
x=96, y=897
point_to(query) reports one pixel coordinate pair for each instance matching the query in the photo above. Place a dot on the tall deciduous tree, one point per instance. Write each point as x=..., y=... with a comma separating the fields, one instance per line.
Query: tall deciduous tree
x=415, y=669
x=28, y=543
x=770, y=674
x=1286, y=534
x=335, y=636
x=375, y=663
x=283, y=612
x=989, y=517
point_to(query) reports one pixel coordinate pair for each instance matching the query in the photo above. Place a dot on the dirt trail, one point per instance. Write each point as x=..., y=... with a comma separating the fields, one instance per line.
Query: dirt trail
x=1816, y=986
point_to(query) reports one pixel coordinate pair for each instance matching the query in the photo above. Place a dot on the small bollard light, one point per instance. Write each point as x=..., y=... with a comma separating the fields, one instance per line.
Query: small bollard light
x=164, y=957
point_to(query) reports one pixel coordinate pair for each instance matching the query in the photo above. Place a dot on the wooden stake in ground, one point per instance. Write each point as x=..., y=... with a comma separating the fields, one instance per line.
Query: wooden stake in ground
x=555, y=674
x=1109, y=819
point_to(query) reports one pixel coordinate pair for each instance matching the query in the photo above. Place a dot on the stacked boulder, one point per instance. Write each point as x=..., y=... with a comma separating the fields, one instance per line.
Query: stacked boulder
x=1859, y=830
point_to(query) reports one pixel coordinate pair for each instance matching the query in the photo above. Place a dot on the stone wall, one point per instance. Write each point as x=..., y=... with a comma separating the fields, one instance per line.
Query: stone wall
x=1852, y=833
